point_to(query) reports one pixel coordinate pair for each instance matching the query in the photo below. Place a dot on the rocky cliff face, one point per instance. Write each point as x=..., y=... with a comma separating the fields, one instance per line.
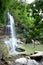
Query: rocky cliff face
x=1, y=30
x=4, y=31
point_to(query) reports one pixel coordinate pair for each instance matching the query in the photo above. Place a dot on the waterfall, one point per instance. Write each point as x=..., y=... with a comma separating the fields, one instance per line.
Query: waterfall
x=12, y=41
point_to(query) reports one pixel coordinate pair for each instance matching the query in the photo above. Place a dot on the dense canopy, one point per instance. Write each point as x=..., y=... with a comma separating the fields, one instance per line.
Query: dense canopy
x=28, y=18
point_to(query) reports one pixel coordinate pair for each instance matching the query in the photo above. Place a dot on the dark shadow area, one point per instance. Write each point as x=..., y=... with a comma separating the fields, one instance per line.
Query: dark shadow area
x=38, y=58
x=20, y=49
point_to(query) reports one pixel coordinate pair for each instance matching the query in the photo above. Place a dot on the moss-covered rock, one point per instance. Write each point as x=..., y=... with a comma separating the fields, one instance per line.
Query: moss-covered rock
x=3, y=50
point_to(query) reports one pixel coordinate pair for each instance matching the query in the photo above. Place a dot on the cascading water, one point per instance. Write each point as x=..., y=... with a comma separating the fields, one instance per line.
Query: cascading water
x=12, y=41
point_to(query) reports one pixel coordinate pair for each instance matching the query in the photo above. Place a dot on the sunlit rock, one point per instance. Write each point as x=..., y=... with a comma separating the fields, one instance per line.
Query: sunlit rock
x=21, y=60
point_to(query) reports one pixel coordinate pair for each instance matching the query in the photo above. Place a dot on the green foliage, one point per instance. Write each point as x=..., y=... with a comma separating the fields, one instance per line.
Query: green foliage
x=4, y=4
x=28, y=20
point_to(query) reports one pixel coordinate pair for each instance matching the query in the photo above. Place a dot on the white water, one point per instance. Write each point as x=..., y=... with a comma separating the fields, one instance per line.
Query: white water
x=11, y=42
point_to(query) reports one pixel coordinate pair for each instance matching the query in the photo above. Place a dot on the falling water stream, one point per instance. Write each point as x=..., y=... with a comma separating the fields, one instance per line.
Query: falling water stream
x=12, y=41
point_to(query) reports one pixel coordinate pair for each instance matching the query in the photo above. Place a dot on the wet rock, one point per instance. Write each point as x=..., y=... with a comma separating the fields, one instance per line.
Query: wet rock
x=19, y=64
x=28, y=57
x=10, y=62
x=32, y=62
x=26, y=61
x=41, y=62
x=22, y=60
x=1, y=30
x=38, y=56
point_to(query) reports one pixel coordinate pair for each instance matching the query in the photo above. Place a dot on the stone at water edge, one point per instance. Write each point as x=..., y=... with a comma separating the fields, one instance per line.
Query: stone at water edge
x=22, y=60
x=26, y=61
x=32, y=62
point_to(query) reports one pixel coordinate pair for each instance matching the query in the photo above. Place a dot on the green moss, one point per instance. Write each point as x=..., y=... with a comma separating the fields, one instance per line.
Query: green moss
x=3, y=49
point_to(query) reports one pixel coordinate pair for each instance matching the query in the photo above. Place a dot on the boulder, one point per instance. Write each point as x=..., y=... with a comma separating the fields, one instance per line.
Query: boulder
x=25, y=61
x=32, y=62
x=22, y=60
x=37, y=56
